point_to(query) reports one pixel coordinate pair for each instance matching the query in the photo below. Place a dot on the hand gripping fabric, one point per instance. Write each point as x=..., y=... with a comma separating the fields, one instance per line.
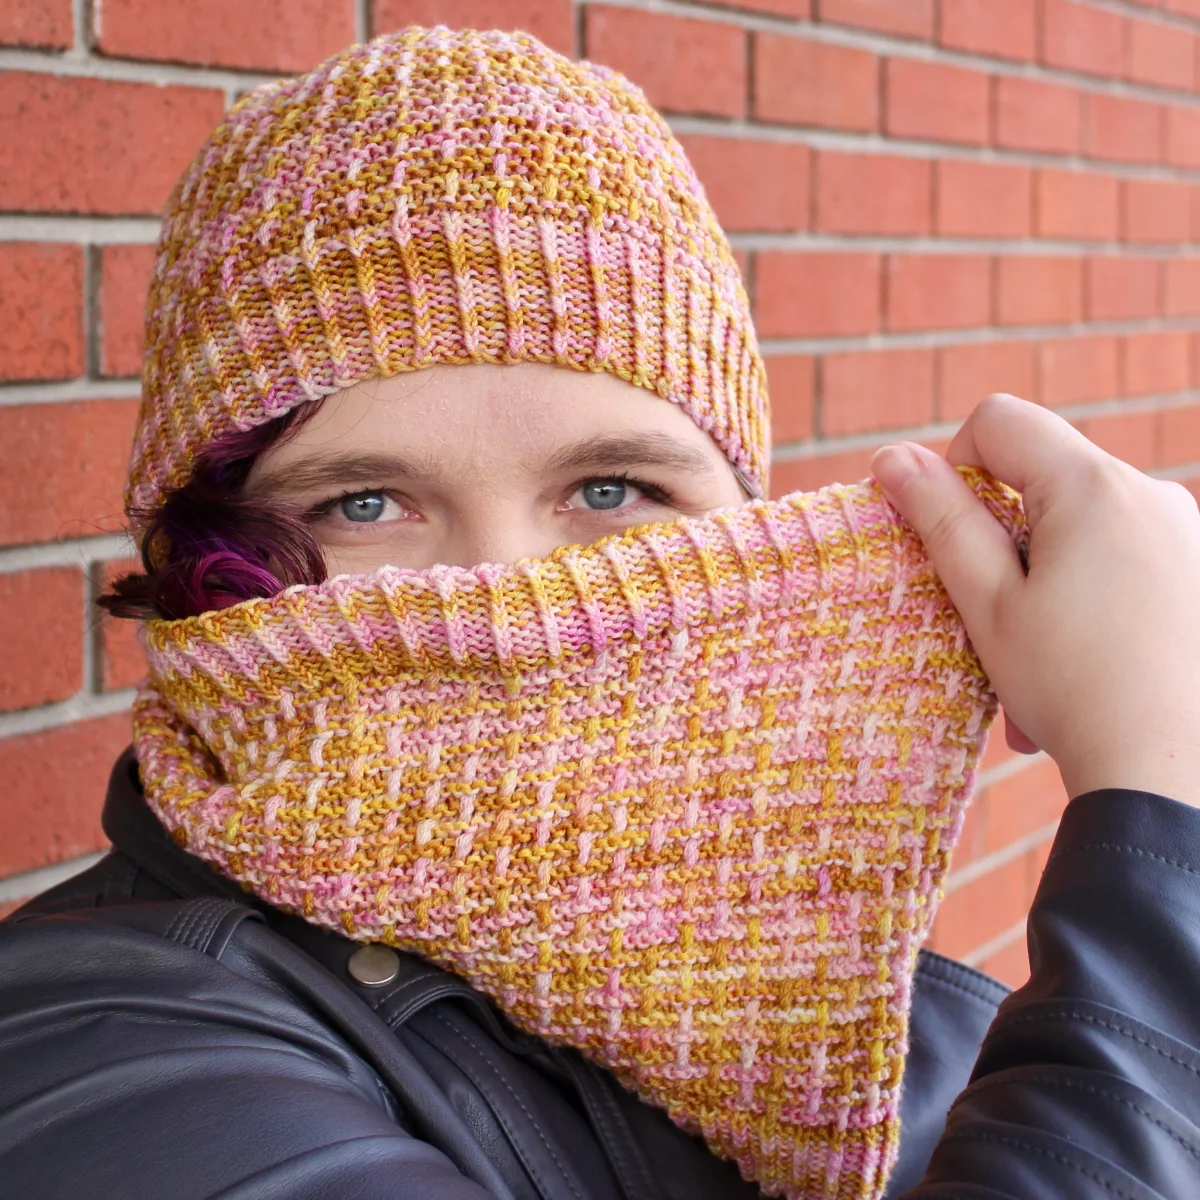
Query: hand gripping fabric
x=682, y=799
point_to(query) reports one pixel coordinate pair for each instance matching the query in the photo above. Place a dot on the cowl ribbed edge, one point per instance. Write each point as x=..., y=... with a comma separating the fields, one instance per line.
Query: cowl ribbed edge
x=805, y=550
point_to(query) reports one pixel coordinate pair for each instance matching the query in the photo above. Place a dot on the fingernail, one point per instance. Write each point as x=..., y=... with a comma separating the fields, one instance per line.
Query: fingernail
x=894, y=466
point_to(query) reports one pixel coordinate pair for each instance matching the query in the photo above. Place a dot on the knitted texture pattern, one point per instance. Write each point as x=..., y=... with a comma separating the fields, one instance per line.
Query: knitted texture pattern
x=682, y=799
x=438, y=197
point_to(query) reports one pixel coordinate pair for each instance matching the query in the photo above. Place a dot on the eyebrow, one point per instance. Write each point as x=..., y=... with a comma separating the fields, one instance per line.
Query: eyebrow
x=322, y=470
x=609, y=452
x=635, y=449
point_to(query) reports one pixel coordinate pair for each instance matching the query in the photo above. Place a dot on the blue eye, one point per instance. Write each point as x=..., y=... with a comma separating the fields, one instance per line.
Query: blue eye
x=604, y=493
x=364, y=507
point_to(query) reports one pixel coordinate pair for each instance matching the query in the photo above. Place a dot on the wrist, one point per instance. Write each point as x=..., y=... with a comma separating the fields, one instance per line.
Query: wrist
x=1170, y=769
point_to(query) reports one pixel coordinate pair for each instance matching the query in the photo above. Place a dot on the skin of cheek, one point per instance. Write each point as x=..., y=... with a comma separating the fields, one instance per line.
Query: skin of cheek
x=481, y=437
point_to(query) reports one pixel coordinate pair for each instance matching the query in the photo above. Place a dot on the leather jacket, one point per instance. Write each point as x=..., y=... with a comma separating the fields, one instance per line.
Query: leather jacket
x=164, y=1034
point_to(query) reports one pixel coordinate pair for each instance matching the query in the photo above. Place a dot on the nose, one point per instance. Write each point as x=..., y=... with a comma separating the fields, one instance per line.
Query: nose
x=498, y=536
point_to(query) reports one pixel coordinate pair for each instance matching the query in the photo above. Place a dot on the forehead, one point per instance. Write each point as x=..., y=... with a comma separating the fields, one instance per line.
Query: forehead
x=480, y=416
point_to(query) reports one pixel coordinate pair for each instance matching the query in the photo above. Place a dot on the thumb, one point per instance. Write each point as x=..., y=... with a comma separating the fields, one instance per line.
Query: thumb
x=970, y=550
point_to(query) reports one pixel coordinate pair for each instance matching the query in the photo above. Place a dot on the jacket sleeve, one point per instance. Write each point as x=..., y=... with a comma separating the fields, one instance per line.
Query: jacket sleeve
x=1088, y=1082
x=208, y=1085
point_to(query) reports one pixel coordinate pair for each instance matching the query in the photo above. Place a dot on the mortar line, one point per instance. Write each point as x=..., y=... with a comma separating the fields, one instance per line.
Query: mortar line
x=82, y=706
x=875, y=142
x=26, y=884
x=76, y=552
x=974, y=335
x=76, y=64
x=980, y=867
x=993, y=945
x=927, y=243
x=826, y=447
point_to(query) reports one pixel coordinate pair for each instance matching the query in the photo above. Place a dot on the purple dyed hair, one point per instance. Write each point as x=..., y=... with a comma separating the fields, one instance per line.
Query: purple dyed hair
x=209, y=546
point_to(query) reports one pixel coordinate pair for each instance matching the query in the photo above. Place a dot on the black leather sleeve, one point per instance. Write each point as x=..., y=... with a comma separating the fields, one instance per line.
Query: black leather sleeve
x=1088, y=1083
x=210, y=1084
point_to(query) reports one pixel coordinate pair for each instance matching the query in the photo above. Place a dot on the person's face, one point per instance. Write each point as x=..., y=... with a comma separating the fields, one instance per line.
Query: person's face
x=466, y=465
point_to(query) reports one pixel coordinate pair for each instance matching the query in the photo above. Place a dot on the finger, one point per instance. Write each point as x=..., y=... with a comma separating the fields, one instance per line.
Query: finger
x=1017, y=740
x=1018, y=442
x=970, y=550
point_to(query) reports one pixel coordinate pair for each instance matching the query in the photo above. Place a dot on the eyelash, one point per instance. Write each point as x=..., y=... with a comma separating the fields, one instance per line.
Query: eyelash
x=652, y=491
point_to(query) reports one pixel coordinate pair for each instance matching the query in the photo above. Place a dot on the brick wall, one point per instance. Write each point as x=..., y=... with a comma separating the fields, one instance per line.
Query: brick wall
x=932, y=199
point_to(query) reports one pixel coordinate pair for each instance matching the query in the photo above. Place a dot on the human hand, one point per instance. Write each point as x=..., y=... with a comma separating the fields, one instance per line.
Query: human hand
x=1095, y=653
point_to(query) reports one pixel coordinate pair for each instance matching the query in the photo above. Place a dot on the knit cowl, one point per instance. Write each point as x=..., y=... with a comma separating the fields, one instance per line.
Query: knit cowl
x=682, y=799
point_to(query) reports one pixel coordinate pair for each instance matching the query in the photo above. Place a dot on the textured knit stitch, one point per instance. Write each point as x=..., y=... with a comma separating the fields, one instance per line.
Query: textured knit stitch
x=439, y=197
x=682, y=798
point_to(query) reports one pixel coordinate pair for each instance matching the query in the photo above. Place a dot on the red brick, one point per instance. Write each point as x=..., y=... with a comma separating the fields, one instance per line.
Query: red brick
x=744, y=259
x=996, y=750
x=1156, y=210
x=1155, y=363
x=41, y=311
x=1007, y=30
x=1079, y=37
x=1077, y=204
x=1009, y=965
x=551, y=20
x=1038, y=291
x=1046, y=117
x=97, y=146
x=904, y=18
x=967, y=374
x=753, y=185
x=1076, y=370
x=268, y=35
x=940, y=446
x=682, y=64
x=982, y=199
x=937, y=291
x=935, y=101
x=1120, y=289
x=62, y=469
x=45, y=23
x=799, y=294
x=1132, y=437
x=60, y=775
x=122, y=663
x=871, y=390
x=971, y=915
x=1180, y=435
x=791, y=379
x=1160, y=55
x=1122, y=129
x=778, y=8
x=873, y=193
x=801, y=82
x=124, y=278
x=1018, y=805
x=1181, y=287
x=809, y=474
x=1181, y=136
x=41, y=652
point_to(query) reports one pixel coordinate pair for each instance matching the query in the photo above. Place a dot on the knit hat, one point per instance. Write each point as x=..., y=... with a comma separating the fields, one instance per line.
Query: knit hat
x=430, y=197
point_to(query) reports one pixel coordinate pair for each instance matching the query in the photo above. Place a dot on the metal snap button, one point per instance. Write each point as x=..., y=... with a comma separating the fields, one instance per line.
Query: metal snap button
x=373, y=965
